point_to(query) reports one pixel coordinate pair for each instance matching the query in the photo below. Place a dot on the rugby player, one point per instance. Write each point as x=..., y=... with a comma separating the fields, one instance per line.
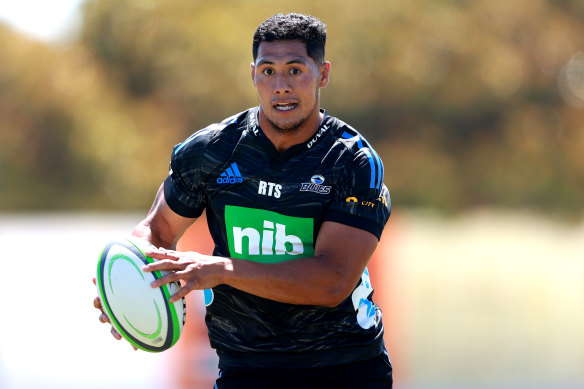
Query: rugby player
x=295, y=203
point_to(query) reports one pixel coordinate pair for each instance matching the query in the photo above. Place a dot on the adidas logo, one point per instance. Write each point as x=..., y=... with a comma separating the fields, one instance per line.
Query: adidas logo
x=231, y=175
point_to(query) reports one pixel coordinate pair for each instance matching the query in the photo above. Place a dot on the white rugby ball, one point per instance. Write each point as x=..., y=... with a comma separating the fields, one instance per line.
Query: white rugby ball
x=141, y=314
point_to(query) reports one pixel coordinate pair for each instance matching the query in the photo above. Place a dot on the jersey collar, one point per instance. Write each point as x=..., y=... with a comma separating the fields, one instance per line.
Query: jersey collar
x=255, y=130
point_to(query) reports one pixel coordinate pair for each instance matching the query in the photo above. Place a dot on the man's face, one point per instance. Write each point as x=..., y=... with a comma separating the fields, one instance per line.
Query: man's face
x=288, y=82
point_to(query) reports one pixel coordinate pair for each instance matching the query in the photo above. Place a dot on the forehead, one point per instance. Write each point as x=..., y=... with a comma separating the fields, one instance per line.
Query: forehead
x=282, y=51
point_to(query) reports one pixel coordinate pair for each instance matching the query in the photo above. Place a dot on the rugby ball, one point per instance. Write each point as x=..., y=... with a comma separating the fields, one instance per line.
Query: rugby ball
x=142, y=314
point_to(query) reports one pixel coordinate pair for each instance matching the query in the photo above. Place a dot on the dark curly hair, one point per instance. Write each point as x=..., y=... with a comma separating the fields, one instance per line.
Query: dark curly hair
x=292, y=26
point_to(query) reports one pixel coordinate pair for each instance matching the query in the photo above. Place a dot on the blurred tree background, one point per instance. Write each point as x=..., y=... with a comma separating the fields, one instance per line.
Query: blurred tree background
x=469, y=103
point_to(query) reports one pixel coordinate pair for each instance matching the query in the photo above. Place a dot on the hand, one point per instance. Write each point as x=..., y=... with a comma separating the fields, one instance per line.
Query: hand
x=197, y=271
x=104, y=318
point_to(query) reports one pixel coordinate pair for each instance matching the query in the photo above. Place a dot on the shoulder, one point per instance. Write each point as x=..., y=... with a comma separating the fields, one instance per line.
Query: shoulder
x=228, y=128
x=357, y=152
x=350, y=137
x=208, y=148
x=342, y=134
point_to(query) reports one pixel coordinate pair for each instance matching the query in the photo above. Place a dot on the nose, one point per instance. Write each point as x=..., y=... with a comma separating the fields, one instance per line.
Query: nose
x=281, y=85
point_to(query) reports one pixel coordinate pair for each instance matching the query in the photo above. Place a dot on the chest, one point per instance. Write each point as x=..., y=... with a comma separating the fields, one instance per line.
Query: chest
x=301, y=186
x=269, y=213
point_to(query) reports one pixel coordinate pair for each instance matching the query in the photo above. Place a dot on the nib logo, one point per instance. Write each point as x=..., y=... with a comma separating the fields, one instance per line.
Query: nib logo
x=266, y=241
x=266, y=236
x=231, y=175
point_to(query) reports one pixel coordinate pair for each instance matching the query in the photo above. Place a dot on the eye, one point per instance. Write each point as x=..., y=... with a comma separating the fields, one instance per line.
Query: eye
x=268, y=71
x=295, y=71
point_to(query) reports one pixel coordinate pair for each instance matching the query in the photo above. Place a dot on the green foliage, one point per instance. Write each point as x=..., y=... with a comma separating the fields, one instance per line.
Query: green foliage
x=469, y=103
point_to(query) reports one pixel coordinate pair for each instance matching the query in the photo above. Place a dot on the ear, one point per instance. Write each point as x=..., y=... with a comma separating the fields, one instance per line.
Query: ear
x=252, y=68
x=324, y=71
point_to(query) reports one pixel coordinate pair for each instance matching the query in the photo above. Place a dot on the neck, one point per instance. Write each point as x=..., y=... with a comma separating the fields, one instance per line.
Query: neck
x=284, y=139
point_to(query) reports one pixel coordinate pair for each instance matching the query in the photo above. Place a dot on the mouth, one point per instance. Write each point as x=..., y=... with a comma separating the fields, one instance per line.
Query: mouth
x=284, y=106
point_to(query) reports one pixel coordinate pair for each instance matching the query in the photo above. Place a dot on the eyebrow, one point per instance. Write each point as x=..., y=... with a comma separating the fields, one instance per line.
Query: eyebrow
x=291, y=62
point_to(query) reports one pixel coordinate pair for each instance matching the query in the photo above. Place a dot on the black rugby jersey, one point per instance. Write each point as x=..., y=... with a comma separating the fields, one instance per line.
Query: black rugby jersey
x=268, y=207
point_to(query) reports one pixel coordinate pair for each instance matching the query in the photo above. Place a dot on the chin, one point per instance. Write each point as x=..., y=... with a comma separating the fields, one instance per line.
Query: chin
x=287, y=127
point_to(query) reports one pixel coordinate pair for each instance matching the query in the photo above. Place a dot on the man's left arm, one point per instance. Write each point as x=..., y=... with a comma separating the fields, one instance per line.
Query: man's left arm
x=341, y=255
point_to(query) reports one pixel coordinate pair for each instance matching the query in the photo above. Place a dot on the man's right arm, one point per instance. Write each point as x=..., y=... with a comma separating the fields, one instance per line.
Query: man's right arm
x=162, y=227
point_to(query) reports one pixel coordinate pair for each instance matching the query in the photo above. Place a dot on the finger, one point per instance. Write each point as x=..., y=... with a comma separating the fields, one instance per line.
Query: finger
x=166, y=279
x=157, y=250
x=182, y=292
x=104, y=318
x=94, y=282
x=116, y=334
x=164, y=265
x=162, y=254
x=97, y=303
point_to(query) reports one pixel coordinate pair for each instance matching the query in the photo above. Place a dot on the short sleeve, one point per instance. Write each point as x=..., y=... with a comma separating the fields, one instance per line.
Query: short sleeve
x=361, y=198
x=184, y=188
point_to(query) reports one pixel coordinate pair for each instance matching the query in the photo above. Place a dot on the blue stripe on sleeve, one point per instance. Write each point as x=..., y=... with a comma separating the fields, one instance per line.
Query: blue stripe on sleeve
x=372, y=165
x=374, y=162
x=379, y=180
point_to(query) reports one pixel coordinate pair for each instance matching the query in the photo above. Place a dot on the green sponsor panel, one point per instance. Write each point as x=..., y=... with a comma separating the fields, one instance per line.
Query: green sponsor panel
x=266, y=236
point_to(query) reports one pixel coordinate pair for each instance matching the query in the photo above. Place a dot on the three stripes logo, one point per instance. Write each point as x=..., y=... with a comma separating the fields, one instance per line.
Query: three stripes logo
x=231, y=175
